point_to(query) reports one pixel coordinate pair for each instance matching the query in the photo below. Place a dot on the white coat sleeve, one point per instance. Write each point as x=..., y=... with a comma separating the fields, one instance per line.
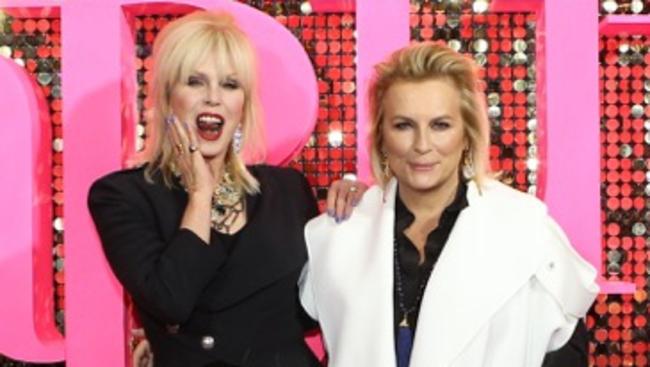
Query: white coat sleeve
x=568, y=278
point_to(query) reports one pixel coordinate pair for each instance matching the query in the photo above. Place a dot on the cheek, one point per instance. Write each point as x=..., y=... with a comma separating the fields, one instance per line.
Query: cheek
x=181, y=103
x=396, y=145
x=235, y=104
x=453, y=155
x=451, y=144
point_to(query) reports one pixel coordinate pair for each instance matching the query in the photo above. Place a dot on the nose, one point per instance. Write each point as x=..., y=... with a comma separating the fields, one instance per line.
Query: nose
x=422, y=143
x=213, y=96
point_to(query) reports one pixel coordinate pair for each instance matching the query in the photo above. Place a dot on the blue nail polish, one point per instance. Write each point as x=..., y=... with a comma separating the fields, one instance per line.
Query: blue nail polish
x=330, y=212
x=169, y=119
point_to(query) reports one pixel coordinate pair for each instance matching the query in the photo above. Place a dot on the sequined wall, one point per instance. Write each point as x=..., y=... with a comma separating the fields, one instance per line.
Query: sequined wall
x=504, y=44
x=619, y=323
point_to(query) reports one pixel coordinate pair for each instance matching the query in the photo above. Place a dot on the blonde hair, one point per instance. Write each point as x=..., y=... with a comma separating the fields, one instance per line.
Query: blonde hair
x=179, y=48
x=426, y=61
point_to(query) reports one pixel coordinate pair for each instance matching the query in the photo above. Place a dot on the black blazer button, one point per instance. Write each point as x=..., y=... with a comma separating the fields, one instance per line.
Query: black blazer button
x=172, y=329
x=207, y=342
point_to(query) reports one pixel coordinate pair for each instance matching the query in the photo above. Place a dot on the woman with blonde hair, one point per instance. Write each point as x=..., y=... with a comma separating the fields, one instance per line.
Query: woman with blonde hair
x=209, y=249
x=448, y=266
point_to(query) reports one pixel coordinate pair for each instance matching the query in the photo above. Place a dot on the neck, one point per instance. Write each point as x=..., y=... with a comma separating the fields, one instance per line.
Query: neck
x=217, y=166
x=427, y=204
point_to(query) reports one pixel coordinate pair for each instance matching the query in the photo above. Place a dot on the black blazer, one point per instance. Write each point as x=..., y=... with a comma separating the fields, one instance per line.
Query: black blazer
x=232, y=303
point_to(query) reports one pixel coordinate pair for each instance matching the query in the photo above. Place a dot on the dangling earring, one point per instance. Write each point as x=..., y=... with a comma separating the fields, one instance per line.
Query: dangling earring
x=384, y=165
x=468, y=165
x=236, y=139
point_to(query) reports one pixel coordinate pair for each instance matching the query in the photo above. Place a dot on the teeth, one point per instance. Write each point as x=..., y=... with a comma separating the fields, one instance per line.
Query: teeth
x=210, y=119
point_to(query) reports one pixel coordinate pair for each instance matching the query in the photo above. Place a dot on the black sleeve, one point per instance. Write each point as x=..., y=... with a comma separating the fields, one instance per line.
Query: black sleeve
x=573, y=353
x=165, y=278
x=311, y=205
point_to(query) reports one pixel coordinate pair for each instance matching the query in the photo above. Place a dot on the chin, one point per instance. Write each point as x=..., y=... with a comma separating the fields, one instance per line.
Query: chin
x=425, y=188
x=421, y=179
x=212, y=148
x=211, y=153
x=420, y=184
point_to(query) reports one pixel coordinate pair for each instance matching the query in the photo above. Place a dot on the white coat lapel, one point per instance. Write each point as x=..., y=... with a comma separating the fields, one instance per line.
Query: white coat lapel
x=385, y=278
x=366, y=310
x=472, y=279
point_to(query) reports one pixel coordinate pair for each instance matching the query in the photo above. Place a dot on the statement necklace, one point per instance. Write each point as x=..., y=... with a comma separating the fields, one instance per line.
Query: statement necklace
x=228, y=202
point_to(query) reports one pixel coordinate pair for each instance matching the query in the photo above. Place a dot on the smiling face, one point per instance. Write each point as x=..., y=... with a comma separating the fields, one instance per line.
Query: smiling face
x=211, y=101
x=423, y=134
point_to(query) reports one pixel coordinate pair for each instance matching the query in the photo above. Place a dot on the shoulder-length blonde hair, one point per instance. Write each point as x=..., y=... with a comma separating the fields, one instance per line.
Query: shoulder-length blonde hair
x=179, y=48
x=426, y=61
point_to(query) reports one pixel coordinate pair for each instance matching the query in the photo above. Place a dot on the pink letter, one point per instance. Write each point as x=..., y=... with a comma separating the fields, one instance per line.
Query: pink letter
x=27, y=312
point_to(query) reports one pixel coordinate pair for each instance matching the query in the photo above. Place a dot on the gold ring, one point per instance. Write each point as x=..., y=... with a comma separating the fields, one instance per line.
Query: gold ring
x=179, y=147
x=354, y=189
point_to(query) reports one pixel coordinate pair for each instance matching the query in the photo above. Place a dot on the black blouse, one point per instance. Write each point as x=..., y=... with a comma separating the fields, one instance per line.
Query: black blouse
x=412, y=274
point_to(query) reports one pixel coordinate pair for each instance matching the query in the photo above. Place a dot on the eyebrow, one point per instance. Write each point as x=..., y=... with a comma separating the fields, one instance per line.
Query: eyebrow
x=437, y=118
x=205, y=76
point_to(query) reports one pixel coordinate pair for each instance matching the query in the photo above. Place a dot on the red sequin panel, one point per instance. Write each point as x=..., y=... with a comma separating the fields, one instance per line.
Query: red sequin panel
x=619, y=324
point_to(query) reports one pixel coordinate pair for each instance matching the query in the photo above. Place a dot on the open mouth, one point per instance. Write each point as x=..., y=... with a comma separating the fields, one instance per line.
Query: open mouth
x=209, y=126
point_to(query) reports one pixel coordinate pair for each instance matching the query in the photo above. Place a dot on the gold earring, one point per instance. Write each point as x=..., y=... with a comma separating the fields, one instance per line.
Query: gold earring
x=384, y=165
x=468, y=165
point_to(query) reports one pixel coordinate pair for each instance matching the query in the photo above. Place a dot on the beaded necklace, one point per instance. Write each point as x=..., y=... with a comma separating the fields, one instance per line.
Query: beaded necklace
x=405, y=330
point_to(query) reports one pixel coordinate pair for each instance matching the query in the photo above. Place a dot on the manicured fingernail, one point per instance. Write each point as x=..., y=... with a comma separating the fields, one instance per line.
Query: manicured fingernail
x=355, y=203
x=337, y=219
x=169, y=119
x=330, y=213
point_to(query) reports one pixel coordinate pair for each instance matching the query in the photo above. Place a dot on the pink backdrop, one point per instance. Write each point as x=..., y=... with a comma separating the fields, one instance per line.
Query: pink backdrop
x=98, y=126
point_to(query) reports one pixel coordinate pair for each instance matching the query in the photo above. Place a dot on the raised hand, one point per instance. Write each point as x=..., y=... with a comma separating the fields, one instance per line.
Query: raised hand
x=196, y=175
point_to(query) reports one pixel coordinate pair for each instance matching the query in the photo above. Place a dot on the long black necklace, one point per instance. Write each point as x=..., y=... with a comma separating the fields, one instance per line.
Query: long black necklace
x=404, y=329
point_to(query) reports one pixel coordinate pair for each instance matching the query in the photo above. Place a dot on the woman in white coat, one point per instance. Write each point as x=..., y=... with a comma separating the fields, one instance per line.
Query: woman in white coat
x=440, y=265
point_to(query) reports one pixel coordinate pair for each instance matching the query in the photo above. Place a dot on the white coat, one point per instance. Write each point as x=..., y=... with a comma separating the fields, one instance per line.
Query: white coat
x=507, y=288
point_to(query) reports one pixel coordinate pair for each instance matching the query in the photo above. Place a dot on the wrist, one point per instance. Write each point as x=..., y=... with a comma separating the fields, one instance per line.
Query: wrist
x=200, y=196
